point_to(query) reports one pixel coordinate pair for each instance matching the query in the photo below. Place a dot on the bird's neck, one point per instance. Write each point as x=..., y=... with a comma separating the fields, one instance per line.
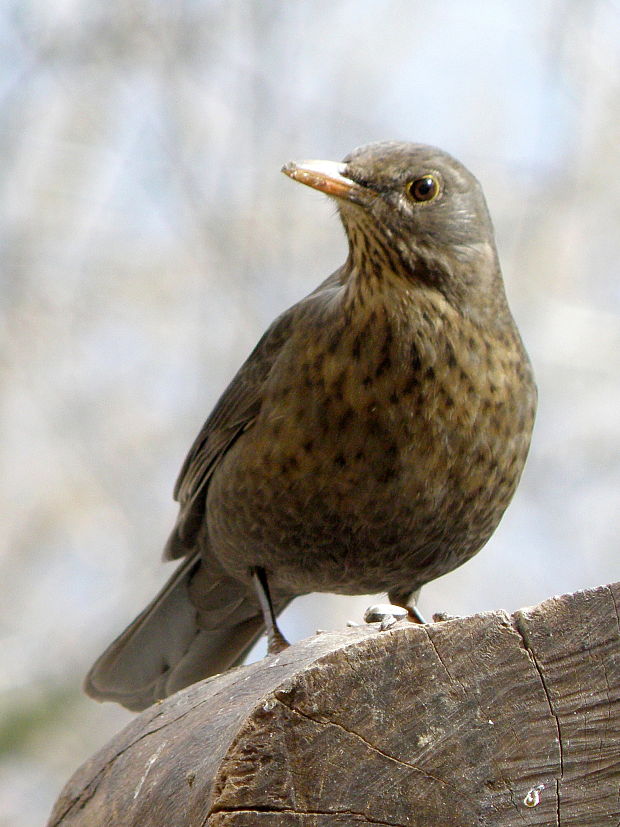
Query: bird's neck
x=373, y=267
x=469, y=280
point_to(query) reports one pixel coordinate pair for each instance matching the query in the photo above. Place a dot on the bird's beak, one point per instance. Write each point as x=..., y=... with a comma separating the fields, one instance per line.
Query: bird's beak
x=326, y=176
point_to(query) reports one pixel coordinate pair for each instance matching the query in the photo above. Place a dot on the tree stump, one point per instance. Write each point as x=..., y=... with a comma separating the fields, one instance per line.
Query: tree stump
x=484, y=720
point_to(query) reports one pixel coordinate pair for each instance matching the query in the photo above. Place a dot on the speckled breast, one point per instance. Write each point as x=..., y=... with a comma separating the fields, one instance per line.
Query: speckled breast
x=385, y=453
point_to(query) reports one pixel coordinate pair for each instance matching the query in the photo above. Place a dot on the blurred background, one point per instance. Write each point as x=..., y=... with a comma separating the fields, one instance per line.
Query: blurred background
x=148, y=238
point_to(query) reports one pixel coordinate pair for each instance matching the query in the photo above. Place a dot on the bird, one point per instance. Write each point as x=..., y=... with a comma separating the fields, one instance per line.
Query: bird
x=371, y=442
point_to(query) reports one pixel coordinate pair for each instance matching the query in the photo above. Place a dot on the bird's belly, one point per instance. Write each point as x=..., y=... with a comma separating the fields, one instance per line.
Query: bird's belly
x=353, y=498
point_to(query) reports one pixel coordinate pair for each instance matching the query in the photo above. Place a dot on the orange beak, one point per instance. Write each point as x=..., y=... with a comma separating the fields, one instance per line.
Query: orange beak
x=326, y=176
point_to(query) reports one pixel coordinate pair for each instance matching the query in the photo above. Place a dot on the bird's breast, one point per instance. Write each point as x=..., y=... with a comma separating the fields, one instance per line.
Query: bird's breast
x=397, y=430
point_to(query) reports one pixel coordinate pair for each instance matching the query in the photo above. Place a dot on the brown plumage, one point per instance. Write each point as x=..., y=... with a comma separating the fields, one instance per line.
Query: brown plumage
x=372, y=440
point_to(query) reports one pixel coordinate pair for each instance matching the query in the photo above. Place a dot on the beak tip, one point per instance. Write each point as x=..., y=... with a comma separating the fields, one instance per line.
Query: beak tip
x=325, y=176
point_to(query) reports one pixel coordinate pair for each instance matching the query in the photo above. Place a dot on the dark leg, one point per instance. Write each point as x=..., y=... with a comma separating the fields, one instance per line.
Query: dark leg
x=415, y=615
x=408, y=600
x=276, y=641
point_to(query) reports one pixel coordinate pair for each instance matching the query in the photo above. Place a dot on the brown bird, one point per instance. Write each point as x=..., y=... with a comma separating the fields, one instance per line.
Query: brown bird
x=371, y=441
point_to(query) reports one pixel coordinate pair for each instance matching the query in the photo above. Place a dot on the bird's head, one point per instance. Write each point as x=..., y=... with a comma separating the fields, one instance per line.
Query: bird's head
x=414, y=210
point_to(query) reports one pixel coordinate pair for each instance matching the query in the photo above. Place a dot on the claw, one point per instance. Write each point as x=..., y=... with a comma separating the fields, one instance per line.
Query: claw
x=385, y=614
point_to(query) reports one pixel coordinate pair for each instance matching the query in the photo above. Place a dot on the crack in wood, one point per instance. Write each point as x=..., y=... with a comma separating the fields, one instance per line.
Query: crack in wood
x=516, y=802
x=453, y=681
x=520, y=626
x=374, y=748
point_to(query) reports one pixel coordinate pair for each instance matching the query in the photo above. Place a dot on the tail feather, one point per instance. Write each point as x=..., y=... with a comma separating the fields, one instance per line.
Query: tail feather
x=174, y=643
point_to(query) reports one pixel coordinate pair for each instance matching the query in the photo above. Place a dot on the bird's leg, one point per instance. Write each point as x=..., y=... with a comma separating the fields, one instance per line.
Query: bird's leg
x=415, y=615
x=276, y=641
x=408, y=601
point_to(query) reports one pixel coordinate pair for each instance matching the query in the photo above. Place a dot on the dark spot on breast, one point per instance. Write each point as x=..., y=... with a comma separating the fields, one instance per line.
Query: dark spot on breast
x=367, y=381
x=357, y=348
x=318, y=360
x=336, y=388
x=384, y=365
x=374, y=427
x=388, y=335
x=292, y=462
x=430, y=372
x=410, y=385
x=340, y=460
x=416, y=362
x=323, y=420
x=394, y=398
x=451, y=358
x=308, y=445
x=390, y=537
x=393, y=261
x=384, y=475
x=359, y=455
x=345, y=419
x=334, y=341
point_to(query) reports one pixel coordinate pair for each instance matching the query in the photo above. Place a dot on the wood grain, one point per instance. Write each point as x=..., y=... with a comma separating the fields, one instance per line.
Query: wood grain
x=484, y=720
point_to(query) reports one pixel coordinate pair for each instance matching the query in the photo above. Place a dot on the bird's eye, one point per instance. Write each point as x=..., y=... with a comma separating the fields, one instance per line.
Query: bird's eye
x=423, y=189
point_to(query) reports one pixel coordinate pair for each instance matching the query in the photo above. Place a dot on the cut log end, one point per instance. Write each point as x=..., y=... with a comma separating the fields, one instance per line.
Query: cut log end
x=484, y=720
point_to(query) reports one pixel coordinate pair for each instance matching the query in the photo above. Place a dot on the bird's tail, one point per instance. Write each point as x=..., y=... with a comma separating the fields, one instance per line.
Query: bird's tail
x=201, y=623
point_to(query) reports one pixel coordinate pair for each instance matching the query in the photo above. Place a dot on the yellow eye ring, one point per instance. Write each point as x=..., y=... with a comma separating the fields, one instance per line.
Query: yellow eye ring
x=424, y=188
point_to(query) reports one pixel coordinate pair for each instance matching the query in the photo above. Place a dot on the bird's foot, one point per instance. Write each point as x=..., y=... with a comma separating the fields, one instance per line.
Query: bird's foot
x=276, y=642
x=385, y=614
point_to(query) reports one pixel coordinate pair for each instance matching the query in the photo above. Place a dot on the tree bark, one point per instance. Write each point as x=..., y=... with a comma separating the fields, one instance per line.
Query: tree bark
x=484, y=720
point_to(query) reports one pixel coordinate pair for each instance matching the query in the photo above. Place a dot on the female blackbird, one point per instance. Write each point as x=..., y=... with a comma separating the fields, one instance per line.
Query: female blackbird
x=371, y=442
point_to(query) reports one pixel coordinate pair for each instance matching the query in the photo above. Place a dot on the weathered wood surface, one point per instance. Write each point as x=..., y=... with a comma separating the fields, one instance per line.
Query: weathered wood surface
x=484, y=720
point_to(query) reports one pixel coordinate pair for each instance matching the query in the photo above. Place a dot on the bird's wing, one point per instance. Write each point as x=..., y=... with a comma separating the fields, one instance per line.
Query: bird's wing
x=233, y=414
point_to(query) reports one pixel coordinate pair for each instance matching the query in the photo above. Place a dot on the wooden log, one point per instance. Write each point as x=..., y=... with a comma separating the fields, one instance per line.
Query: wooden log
x=484, y=720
